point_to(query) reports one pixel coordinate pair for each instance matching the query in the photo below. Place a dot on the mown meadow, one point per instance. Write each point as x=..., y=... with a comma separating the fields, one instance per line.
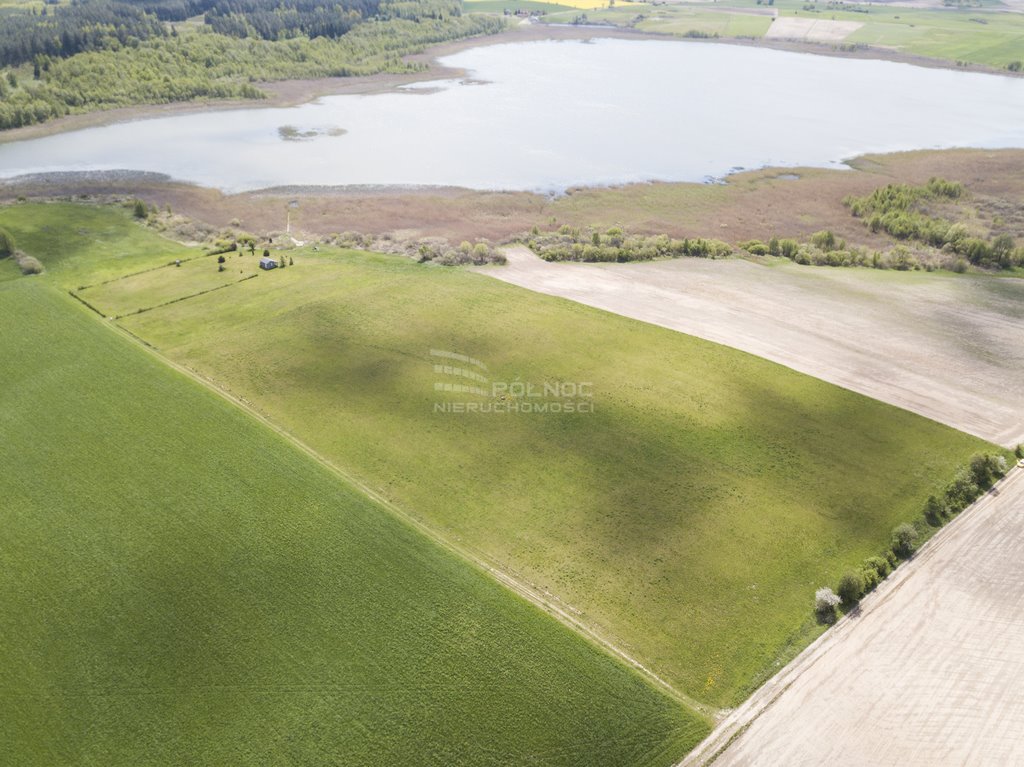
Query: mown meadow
x=181, y=585
x=688, y=518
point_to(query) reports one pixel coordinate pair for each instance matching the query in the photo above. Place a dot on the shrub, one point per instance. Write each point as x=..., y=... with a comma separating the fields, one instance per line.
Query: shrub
x=982, y=470
x=1019, y=451
x=851, y=587
x=826, y=241
x=961, y=491
x=27, y=264
x=788, y=248
x=755, y=248
x=7, y=245
x=904, y=538
x=139, y=209
x=879, y=564
x=935, y=511
x=825, y=603
x=871, y=578
x=892, y=559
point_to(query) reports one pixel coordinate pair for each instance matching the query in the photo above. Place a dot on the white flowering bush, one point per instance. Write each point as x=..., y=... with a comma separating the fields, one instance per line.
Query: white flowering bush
x=825, y=603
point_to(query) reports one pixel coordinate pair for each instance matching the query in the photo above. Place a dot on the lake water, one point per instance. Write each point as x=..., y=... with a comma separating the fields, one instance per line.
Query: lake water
x=548, y=115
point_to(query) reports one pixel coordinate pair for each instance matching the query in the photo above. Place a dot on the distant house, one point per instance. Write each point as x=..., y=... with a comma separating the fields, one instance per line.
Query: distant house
x=268, y=263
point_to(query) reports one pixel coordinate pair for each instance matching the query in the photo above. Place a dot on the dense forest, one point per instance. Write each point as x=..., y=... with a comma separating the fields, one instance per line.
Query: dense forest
x=66, y=30
x=97, y=54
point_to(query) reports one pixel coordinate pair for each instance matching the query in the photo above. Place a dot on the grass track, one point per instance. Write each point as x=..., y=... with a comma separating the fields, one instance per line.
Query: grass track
x=182, y=586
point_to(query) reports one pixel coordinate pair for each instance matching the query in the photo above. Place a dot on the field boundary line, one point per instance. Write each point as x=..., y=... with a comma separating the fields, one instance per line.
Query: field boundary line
x=736, y=723
x=505, y=579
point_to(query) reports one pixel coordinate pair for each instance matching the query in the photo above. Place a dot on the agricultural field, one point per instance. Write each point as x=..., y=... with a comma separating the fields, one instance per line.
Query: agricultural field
x=990, y=36
x=83, y=245
x=639, y=517
x=936, y=649
x=156, y=286
x=183, y=585
x=945, y=346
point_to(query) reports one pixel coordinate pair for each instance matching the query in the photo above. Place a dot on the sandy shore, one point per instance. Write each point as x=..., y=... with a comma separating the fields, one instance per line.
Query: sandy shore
x=294, y=92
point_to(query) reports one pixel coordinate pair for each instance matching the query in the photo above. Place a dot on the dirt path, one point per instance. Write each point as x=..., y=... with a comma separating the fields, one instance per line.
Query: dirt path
x=948, y=347
x=929, y=671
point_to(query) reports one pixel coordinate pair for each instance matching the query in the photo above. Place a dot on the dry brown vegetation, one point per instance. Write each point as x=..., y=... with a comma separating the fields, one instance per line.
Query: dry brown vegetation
x=756, y=204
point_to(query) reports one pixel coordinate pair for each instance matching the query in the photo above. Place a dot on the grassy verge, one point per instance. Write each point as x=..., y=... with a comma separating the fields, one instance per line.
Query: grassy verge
x=182, y=586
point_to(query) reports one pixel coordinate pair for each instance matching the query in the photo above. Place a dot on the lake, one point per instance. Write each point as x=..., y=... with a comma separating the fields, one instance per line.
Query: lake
x=549, y=115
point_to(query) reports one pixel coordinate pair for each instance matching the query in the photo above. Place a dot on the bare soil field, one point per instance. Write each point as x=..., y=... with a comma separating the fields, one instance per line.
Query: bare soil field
x=928, y=671
x=945, y=346
x=813, y=30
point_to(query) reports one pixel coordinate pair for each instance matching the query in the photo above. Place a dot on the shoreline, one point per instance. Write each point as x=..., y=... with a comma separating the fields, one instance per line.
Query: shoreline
x=289, y=93
x=752, y=204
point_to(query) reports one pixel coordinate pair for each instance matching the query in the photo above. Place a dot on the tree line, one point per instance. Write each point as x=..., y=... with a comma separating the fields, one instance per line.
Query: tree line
x=970, y=481
x=200, y=63
x=66, y=30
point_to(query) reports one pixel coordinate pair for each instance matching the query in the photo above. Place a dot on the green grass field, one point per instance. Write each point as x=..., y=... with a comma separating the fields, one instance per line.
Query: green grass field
x=689, y=517
x=164, y=284
x=975, y=35
x=180, y=585
x=82, y=245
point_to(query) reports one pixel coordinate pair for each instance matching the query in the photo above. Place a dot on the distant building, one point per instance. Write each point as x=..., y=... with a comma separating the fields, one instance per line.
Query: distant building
x=268, y=263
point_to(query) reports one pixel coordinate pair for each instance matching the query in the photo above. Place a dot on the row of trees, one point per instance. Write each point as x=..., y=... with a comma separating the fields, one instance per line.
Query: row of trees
x=968, y=484
x=70, y=29
x=615, y=245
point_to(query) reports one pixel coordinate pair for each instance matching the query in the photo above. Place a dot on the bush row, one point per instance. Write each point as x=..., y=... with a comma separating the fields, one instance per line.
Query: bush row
x=615, y=245
x=968, y=484
x=825, y=249
x=435, y=250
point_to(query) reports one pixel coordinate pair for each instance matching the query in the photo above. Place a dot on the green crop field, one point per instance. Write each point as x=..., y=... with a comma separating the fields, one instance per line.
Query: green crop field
x=987, y=35
x=689, y=518
x=180, y=585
